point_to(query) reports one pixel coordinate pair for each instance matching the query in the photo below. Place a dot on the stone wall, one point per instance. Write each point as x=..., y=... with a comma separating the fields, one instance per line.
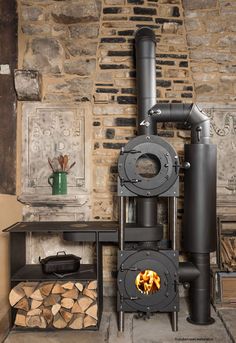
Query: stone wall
x=211, y=40
x=84, y=53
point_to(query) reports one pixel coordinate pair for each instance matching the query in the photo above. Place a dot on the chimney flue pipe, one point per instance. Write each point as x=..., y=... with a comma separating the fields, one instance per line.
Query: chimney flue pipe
x=145, y=42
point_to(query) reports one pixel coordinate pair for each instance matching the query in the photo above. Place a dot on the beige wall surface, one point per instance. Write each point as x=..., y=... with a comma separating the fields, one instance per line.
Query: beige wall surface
x=10, y=212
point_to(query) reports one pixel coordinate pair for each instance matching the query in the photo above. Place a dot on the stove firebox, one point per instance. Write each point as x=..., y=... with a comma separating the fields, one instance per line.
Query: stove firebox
x=148, y=168
x=148, y=281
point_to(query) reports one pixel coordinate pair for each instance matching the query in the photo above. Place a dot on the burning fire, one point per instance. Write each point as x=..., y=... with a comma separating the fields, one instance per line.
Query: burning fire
x=148, y=282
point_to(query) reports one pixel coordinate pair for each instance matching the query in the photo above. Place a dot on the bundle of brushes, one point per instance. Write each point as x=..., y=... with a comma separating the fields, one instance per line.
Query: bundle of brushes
x=60, y=164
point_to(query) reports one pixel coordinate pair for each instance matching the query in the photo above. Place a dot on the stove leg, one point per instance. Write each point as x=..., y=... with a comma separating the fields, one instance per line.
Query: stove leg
x=121, y=318
x=174, y=321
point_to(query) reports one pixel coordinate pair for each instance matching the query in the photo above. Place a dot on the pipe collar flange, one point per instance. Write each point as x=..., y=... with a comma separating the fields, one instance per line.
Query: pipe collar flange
x=148, y=166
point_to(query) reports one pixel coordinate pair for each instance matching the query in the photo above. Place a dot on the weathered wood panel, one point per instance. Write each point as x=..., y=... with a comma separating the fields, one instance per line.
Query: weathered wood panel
x=8, y=62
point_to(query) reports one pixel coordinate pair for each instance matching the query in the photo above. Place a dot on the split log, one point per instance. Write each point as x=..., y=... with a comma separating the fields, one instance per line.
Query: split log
x=90, y=293
x=79, y=286
x=68, y=285
x=20, y=319
x=58, y=289
x=92, y=311
x=33, y=321
x=29, y=288
x=76, y=308
x=89, y=321
x=72, y=293
x=46, y=288
x=36, y=321
x=51, y=300
x=84, y=303
x=16, y=294
x=77, y=322
x=67, y=303
x=67, y=316
x=23, y=304
x=35, y=304
x=55, y=309
x=47, y=314
x=36, y=295
x=92, y=284
x=59, y=322
x=35, y=312
x=43, y=324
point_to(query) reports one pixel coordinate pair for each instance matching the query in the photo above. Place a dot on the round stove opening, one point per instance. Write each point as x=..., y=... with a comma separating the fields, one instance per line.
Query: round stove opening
x=148, y=165
x=148, y=282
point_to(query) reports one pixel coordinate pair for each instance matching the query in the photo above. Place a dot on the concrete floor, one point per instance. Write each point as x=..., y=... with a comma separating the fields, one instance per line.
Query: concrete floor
x=157, y=329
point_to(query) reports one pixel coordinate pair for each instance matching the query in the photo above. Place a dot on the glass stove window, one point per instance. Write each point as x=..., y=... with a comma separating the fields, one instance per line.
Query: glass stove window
x=148, y=165
x=148, y=282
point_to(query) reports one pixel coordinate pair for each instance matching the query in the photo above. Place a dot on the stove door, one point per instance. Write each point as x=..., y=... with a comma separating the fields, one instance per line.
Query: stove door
x=147, y=281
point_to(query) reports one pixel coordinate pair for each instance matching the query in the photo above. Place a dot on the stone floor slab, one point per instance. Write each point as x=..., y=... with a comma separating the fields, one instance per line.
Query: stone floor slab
x=228, y=317
x=157, y=329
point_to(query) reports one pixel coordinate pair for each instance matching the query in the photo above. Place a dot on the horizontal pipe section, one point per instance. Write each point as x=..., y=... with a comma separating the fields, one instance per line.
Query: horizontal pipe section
x=188, y=272
x=188, y=113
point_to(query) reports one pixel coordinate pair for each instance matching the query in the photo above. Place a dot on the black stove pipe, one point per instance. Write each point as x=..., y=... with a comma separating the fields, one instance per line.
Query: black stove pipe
x=190, y=114
x=145, y=42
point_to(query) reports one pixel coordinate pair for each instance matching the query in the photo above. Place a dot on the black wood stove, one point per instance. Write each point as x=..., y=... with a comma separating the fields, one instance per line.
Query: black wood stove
x=149, y=271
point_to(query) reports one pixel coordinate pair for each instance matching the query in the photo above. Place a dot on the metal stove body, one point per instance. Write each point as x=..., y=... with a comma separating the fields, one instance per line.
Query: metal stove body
x=148, y=168
x=162, y=262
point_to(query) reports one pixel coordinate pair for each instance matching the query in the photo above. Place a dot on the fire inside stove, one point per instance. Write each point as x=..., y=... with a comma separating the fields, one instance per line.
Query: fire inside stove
x=148, y=282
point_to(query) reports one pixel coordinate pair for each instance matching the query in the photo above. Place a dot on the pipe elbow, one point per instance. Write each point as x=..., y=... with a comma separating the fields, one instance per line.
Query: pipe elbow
x=196, y=116
x=145, y=33
x=200, y=125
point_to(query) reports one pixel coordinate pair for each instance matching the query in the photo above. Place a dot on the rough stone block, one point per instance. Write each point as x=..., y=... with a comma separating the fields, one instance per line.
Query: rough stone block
x=84, y=30
x=82, y=48
x=28, y=85
x=79, y=87
x=34, y=29
x=199, y=5
x=204, y=89
x=199, y=40
x=79, y=12
x=82, y=67
x=30, y=13
x=214, y=25
x=170, y=28
x=45, y=55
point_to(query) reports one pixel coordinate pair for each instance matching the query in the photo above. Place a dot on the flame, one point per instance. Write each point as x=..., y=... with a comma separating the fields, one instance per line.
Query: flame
x=148, y=282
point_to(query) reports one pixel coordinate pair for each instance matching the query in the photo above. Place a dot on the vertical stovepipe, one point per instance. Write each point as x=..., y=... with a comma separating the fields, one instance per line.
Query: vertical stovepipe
x=145, y=43
x=200, y=224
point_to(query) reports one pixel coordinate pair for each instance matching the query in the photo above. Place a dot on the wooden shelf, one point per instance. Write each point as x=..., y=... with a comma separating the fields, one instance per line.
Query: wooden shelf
x=52, y=200
x=33, y=272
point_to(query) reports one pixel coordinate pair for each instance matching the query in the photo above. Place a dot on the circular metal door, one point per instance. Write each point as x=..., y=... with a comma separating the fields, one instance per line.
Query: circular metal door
x=148, y=166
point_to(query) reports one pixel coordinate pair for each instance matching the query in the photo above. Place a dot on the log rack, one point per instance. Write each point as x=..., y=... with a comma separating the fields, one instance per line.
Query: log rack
x=97, y=232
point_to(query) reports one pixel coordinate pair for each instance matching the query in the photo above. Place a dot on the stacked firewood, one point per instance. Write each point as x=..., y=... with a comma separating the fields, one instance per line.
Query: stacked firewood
x=55, y=304
x=228, y=253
